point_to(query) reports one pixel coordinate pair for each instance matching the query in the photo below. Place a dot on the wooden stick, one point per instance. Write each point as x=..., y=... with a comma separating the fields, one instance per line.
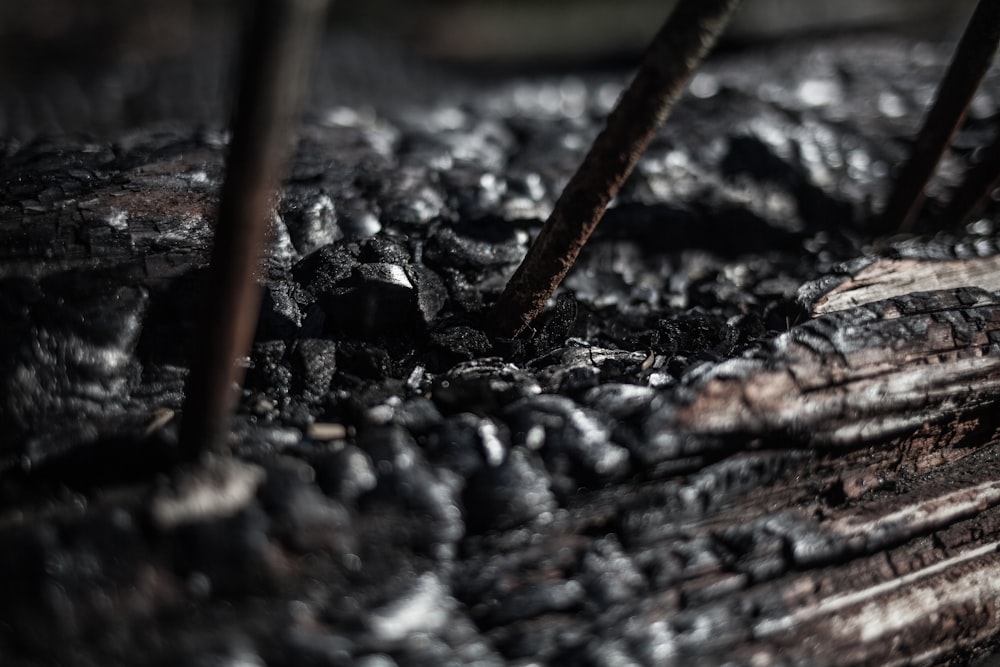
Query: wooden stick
x=276, y=51
x=972, y=59
x=974, y=193
x=676, y=51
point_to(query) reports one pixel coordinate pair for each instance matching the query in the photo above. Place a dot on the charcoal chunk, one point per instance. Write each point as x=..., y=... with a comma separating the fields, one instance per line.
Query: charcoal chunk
x=425, y=607
x=313, y=362
x=609, y=574
x=466, y=443
x=305, y=519
x=477, y=247
x=311, y=221
x=483, y=384
x=267, y=371
x=461, y=342
x=476, y=194
x=280, y=312
x=381, y=299
x=417, y=415
x=384, y=249
x=574, y=441
x=68, y=352
x=411, y=198
x=431, y=292
x=430, y=495
x=558, y=324
x=507, y=495
x=322, y=271
x=620, y=401
x=344, y=473
x=364, y=360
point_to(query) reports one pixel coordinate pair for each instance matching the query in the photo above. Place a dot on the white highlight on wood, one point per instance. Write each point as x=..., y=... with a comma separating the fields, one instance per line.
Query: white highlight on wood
x=938, y=511
x=880, y=617
x=888, y=278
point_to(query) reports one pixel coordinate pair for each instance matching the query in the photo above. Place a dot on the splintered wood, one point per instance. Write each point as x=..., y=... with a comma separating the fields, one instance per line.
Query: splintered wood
x=887, y=278
x=801, y=579
x=863, y=373
x=893, y=559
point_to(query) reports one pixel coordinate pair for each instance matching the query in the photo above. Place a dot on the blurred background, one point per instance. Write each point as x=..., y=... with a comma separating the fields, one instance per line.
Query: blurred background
x=102, y=66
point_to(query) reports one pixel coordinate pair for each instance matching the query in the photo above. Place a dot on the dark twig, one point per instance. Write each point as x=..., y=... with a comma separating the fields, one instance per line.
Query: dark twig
x=676, y=51
x=972, y=59
x=973, y=194
x=272, y=80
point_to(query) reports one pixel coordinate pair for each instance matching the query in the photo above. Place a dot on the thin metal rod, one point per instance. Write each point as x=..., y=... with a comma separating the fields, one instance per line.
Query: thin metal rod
x=272, y=78
x=969, y=65
x=682, y=43
x=974, y=193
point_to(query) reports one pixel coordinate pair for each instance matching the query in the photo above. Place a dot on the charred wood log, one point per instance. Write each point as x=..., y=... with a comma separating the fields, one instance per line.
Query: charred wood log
x=825, y=496
x=850, y=376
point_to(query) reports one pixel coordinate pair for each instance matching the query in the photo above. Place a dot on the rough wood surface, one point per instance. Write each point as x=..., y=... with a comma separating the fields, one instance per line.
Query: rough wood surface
x=855, y=375
x=888, y=278
x=883, y=571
